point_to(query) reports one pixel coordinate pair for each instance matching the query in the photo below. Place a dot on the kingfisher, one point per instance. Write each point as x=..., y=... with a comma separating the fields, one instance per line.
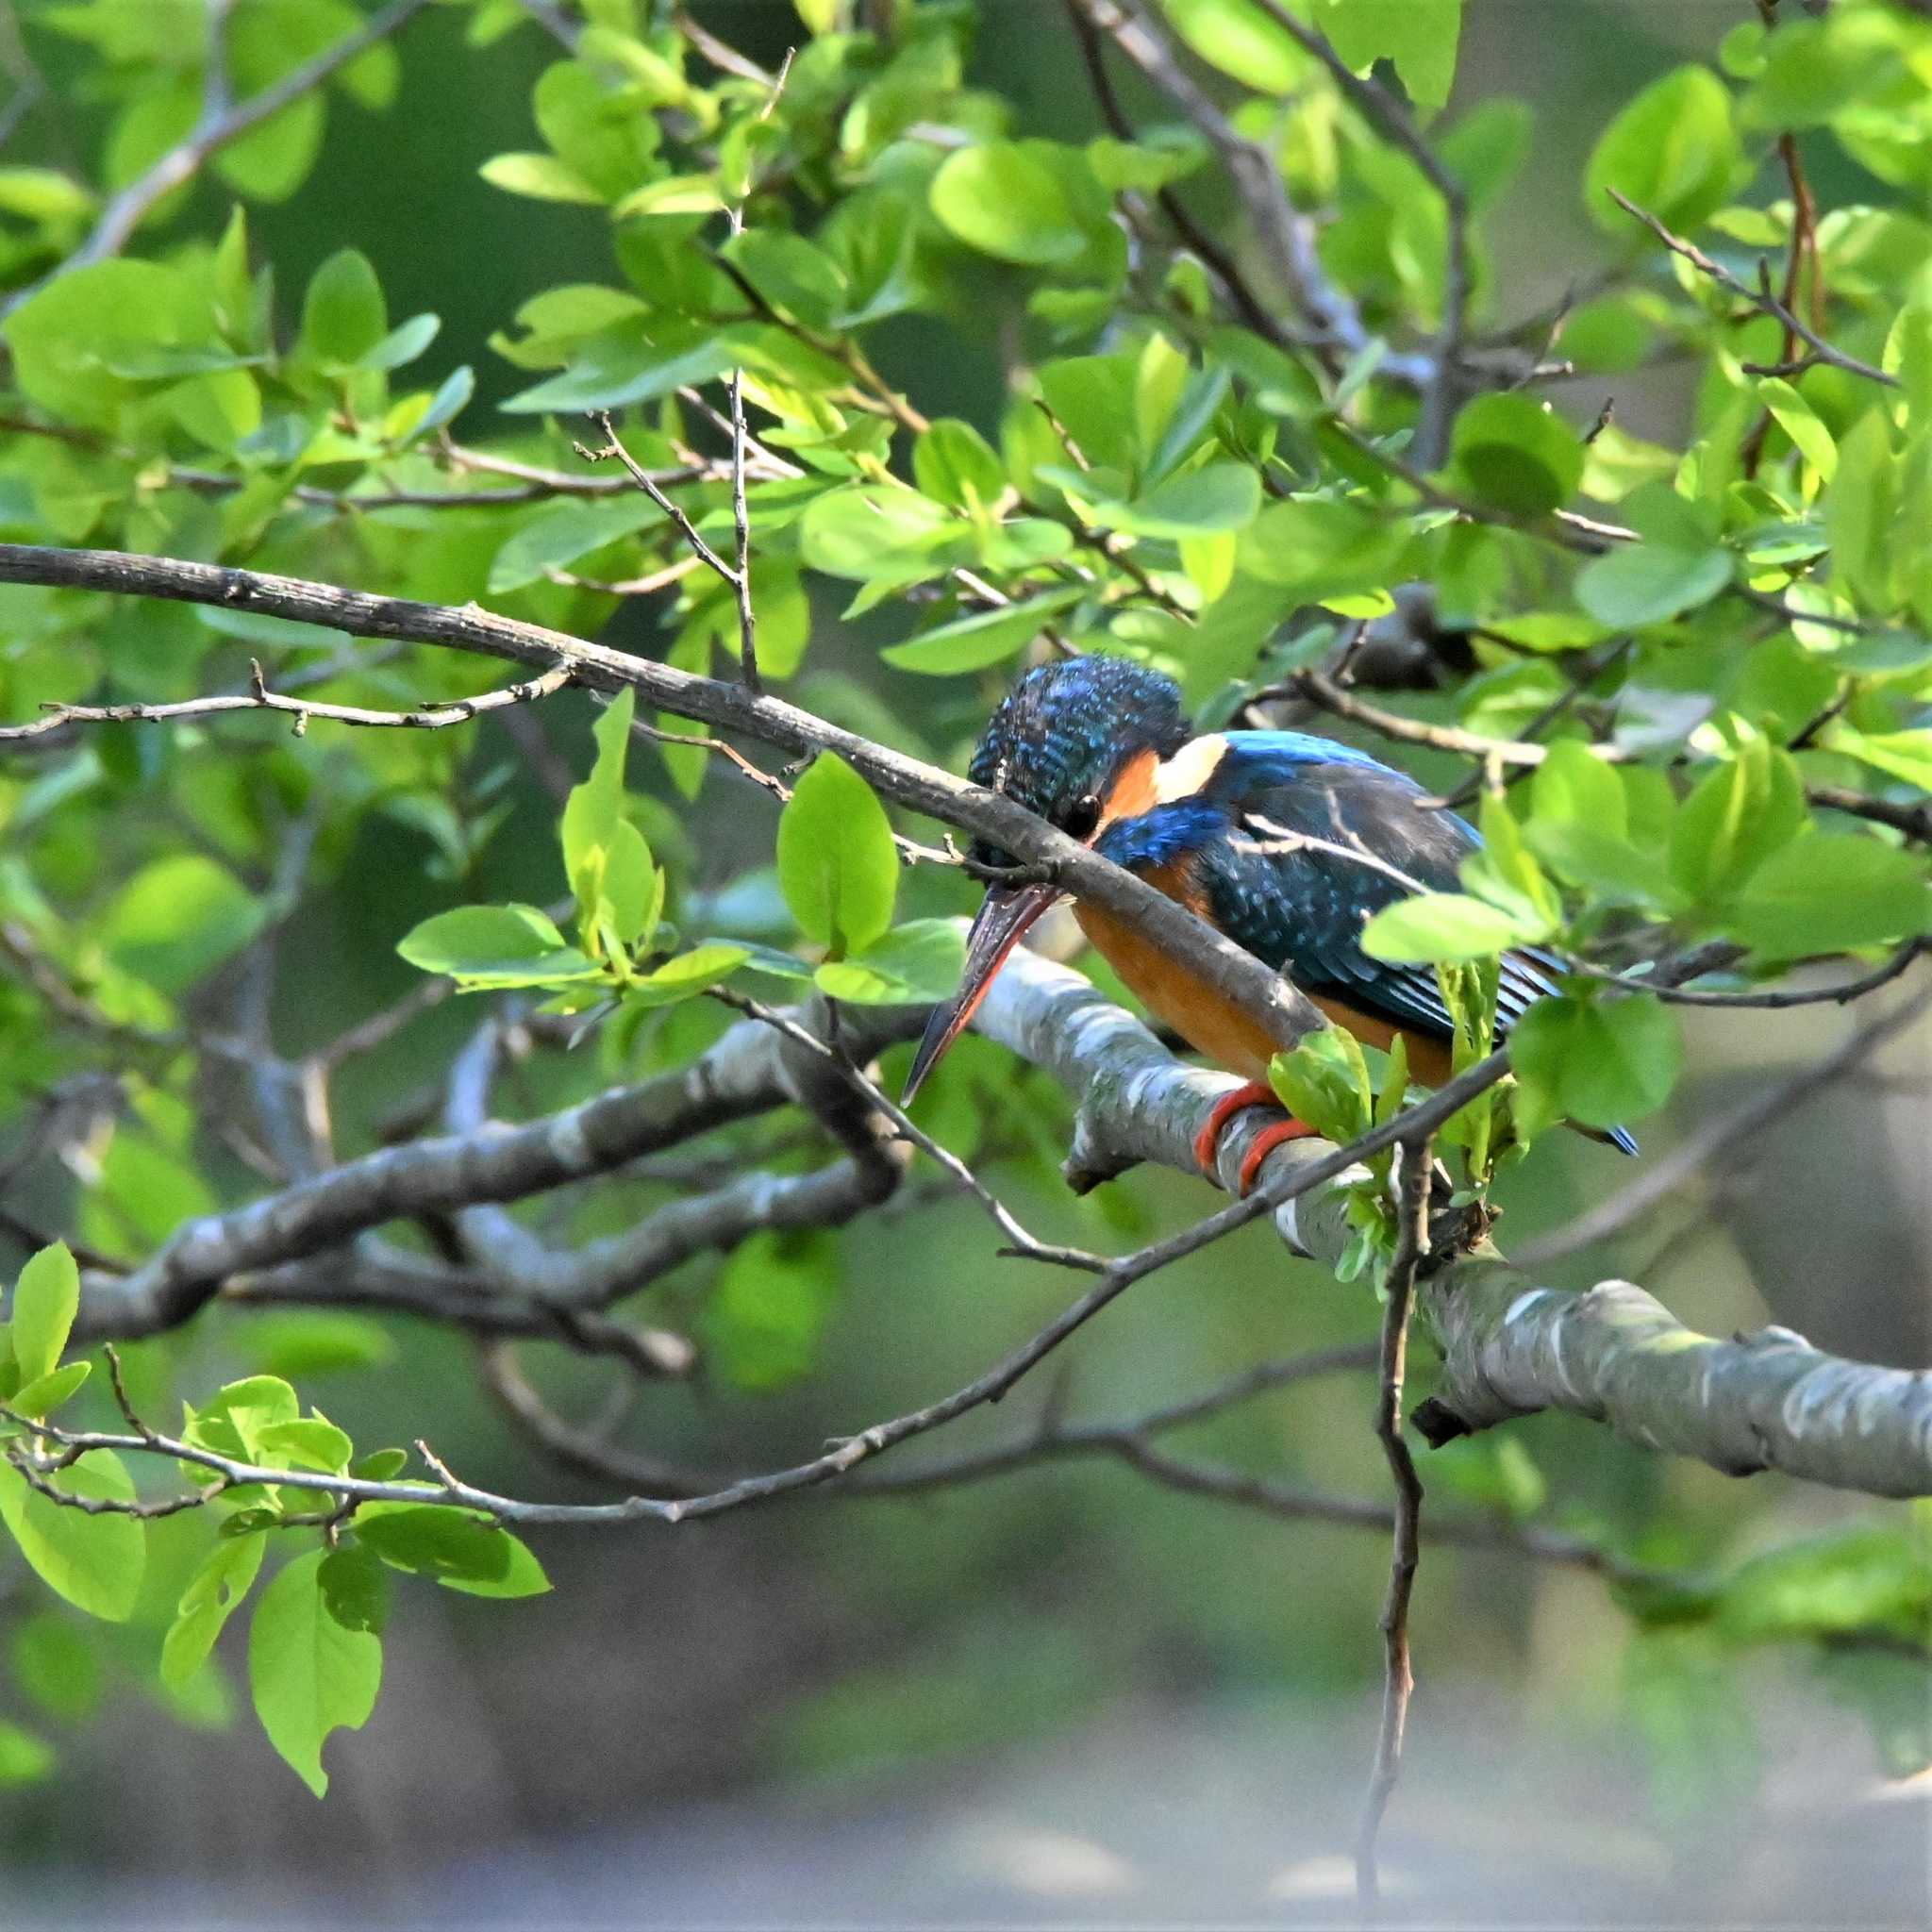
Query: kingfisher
x=1285, y=841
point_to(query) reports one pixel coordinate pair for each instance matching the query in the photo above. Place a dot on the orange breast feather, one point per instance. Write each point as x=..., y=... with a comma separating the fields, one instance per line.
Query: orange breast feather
x=1207, y=1020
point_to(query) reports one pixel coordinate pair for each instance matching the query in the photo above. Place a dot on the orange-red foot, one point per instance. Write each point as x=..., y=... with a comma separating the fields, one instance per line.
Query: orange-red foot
x=1208, y=1142
x=1266, y=1141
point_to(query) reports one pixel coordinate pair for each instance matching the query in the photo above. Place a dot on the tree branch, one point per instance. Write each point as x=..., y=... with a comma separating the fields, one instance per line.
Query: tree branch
x=1224, y=966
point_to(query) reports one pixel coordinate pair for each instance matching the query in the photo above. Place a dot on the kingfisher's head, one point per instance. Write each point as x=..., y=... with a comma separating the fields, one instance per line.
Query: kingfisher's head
x=1079, y=742
x=1075, y=741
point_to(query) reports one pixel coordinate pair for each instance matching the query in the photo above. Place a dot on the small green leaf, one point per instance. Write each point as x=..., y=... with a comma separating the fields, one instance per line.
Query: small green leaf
x=1218, y=498
x=1861, y=508
x=1598, y=1062
x=310, y=1676
x=452, y=1545
x=94, y=1561
x=1673, y=151
x=953, y=464
x=763, y=1321
x=1517, y=454
x=56, y=1662
x=1828, y=892
x=1443, y=926
x=1004, y=201
x=24, y=1760
x=983, y=638
x=1325, y=1081
x=46, y=1299
x=308, y=1443
x=45, y=1393
x=689, y=973
x=344, y=315
x=1738, y=815
x=495, y=946
x=543, y=177
x=1677, y=565
x=213, y=1595
x=355, y=1587
x=915, y=963
x=178, y=919
x=837, y=865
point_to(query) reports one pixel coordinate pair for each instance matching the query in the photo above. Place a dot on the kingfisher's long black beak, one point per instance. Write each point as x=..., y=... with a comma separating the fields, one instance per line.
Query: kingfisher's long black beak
x=1006, y=914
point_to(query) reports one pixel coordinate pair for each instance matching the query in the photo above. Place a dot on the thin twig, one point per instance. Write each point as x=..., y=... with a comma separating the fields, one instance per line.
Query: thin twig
x=648, y=483
x=740, y=515
x=1760, y=297
x=436, y=717
x=1416, y=1163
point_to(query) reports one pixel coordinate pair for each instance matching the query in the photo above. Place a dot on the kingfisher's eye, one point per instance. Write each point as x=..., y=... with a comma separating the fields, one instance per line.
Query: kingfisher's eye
x=1080, y=818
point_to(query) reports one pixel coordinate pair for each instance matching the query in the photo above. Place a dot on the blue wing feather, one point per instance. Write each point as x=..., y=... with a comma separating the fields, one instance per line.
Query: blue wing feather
x=1297, y=842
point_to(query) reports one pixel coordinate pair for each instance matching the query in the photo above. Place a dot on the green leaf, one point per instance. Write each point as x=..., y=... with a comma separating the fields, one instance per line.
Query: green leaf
x=213, y=1595
x=1004, y=201
x=1739, y=814
x=316, y=1341
x=1673, y=151
x=543, y=177
x=1517, y=454
x=1237, y=37
x=1799, y=422
x=1417, y=37
x=355, y=1587
x=618, y=367
x=1905, y=755
x=837, y=864
x=1860, y=508
x=178, y=919
x=45, y=1393
x=1218, y=498
x=917, y=962
x=310, y=1676
x=1325, y=1081
x=983, y=638
x=45, y=1300
x=454, y=1547
x=556, y=537
x=1598, y=1062
x=500, y=946
x=308, y=1443
x=232, y=1422
x=94, y=1561
x=858, y=533
x=1828, y=892
x=1573, y=783
x=1864, y=1577
x=1442, y=925
x=344, y=315
x=689, y=973
x=1678, y=565
x=766, y=1310
x=953, y=464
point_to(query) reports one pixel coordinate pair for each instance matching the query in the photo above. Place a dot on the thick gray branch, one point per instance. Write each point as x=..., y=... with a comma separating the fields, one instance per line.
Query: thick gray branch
x=746, y=1072
x=1510, y=1346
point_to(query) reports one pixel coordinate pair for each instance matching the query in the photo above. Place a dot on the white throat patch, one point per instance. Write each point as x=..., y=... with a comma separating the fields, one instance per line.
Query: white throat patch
x=1190, y=769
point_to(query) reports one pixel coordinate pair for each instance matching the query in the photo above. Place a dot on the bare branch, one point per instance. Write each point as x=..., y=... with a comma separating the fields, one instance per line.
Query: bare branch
x=1217, y=961
x=1416, y=1165
x=1760, y=297
x=436, y=717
